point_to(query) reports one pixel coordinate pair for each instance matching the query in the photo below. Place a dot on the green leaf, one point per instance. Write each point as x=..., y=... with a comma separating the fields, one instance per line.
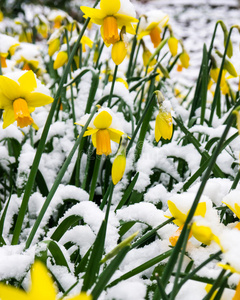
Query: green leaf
x=56, y=252
x=128, y=192
x=64, y=226
x=106, y=275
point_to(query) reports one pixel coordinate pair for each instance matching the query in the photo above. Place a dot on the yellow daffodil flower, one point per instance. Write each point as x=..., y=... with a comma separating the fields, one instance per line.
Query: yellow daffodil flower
x=101, y=131
x=7, y=45
x=42, y=287
x=179, y=207
x=119, y=52
x=57, y=17
x=119, y=163
x=1, y=16
x=54, y=45
x=19, y=97
x=173, y=45
x=62, y=56
x=163, y=124
x=184, y=59
x=152, y=24
x=180, y=215
x=60, y=60
x=110, y=17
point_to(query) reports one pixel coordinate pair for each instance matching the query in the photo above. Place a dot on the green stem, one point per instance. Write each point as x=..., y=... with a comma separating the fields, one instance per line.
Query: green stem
x=112, y=87
x=216, y=98
x=57, y=182
x=41, y=145
x=140, y=122
x=95, y=176
x=175, y=289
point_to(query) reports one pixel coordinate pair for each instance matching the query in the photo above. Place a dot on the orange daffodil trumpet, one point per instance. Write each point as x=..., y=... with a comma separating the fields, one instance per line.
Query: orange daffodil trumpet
x=112, y=15
x=163, y=125
x=152, y=23
x=20, y=93
x=102, y=130
x=42, y=287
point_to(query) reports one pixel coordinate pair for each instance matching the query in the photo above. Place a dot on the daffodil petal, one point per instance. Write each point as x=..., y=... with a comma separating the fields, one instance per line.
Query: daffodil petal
x=125, y=18
x=110, y=8
x=8, y=116
x=237, y=210
x=90, y=132
x=102, y=120
x=9, y=88
x=93, y=13
x=38, y=99
x=4, y=101
x=11, y=293
x=228, y=267
x=176, y=213
x=28, y=81
x=86, y=40
x=94, y=139
x=42, y=284
x=201, y=209
x=115, y=134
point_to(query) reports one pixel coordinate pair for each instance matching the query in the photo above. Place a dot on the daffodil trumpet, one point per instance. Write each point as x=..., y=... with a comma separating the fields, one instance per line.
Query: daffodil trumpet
x=102, y=132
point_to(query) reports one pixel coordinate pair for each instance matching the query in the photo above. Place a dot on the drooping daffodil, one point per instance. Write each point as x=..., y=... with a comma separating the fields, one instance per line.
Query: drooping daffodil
x=112, y=15
x=62, y=56
x=20, y=93
x=152, y=23
x=163, y=124
x=7, y=45
x=41, y=287
x=179, y=207
x=102, y=130
x=119, y=163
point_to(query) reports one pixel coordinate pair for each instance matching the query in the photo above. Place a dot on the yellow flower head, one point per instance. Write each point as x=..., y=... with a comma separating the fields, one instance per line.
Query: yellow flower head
x=184, y=59
x=173, y=45
x=42, y=287
x=163, y=124
x=112, y=15
x=119, y=52
x=180, y=205
x=20, y=93
x=203, y=232
x=119, y=163
x=60, y=60
x=7, y=45
x=152, y=24
x=102, y=131
x=1, y=16
x=57, y=16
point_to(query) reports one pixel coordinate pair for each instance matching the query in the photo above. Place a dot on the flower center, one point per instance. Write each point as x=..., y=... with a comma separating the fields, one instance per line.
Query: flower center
x=3, y=62
x=110, y=30
x=21, y=113
x=103, y=142
x=155, y=36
